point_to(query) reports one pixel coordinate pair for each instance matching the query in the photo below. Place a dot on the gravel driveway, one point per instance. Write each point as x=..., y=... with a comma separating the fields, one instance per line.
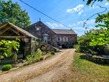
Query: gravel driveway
x=54, y=69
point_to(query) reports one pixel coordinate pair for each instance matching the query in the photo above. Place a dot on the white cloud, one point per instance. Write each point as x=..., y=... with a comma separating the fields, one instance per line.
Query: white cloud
x=79, y=25
x=79, y=13
x=107, y=3
x=77, y=9
x=69, y=10
x=91, y=21
x=79, y=28
x=54, y=25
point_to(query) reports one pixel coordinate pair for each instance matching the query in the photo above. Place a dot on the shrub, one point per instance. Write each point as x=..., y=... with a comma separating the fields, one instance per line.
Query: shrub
x=35, y=57
x=29, y=59
x=6, y=67
x=41, y=58
x=38, y=55
x=52, y=52
x=39, y=52
x=106, y=49
x=7, y=47
x=15, y=56
x=48, y=54
x=77, y=47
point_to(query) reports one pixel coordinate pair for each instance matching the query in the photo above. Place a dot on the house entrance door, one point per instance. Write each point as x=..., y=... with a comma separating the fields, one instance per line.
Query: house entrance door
x=45, y=38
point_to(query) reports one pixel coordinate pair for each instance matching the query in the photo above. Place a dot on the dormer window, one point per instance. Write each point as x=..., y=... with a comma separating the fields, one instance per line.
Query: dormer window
x=37, y=28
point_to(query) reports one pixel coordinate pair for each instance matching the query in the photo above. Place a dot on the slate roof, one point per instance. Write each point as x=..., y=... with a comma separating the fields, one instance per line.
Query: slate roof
x=43, y=26
x=51, y=31
x=63, y=31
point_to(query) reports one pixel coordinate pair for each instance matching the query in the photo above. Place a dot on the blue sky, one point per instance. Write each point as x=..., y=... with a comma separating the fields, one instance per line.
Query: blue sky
x=69, y=12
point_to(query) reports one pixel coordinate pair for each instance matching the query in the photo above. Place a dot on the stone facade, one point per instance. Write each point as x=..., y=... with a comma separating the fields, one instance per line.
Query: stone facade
x=42, y=32
x=57, y=38
x=66, y=40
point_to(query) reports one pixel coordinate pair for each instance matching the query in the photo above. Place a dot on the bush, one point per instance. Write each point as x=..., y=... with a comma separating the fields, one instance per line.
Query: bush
x=52, y=52
x=29, y=59
x=106, y=49
x=85, y=45
x=41, y=58
x=48, y=54
x=77, y=47
x=35, y=57
x=6, y=67
x=38, y=55
x=15, y=56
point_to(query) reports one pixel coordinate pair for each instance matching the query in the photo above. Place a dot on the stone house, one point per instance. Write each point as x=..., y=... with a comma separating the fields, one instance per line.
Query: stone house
x=55, y=37
x=65, y=38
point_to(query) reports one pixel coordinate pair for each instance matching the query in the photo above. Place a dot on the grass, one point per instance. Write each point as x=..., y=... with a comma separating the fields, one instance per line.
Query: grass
x=87, y=71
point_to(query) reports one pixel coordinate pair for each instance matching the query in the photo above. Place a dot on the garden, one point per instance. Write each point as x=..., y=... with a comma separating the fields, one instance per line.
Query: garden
x=11, y=59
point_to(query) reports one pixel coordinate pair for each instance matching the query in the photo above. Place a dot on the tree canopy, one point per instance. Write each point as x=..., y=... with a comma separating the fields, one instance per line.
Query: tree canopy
x=96, y=41
x=93, y=1
x=12, y=12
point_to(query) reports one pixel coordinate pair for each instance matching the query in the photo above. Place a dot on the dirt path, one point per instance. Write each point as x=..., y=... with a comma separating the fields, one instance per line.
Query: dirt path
x=55, y=69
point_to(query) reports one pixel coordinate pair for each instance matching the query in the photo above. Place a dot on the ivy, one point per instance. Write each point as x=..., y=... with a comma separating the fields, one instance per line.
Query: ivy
x=8, y=47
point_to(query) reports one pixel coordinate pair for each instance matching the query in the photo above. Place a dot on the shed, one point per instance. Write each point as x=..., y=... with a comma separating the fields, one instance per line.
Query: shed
x=9, y=31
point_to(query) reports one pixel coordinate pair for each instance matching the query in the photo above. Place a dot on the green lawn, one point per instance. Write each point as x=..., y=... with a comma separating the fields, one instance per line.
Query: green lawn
x=87, y=71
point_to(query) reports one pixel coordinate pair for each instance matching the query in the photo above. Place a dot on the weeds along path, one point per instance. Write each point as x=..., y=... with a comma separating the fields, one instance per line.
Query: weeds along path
x=54, y=69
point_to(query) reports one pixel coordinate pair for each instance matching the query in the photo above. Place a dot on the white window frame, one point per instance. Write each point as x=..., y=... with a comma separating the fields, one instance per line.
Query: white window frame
x=66, y=39
x=37, y=28
x=57, y=38
x=60, y=39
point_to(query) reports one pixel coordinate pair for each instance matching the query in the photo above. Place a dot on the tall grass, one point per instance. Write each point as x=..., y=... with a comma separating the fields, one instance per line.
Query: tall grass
x=87, y=71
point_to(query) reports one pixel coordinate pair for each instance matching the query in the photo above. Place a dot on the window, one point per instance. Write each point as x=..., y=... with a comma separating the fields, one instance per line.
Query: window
x=60, y=38
x=37, y=28
x=57, y=38
x=66, y=38
x=45, y=38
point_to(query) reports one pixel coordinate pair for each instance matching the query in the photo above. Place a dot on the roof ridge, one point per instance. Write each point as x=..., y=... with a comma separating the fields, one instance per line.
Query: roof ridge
x=64, y=31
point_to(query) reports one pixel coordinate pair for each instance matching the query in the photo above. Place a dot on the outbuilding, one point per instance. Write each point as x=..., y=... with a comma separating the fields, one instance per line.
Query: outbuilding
x=9, y=31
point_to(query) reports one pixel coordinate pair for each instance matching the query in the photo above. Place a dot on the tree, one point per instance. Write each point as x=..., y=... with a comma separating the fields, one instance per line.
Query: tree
x=93, y=1
x=99, y=38
x=93, y=42
x=102, y=36
x=103, y=19
x=12, y=12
